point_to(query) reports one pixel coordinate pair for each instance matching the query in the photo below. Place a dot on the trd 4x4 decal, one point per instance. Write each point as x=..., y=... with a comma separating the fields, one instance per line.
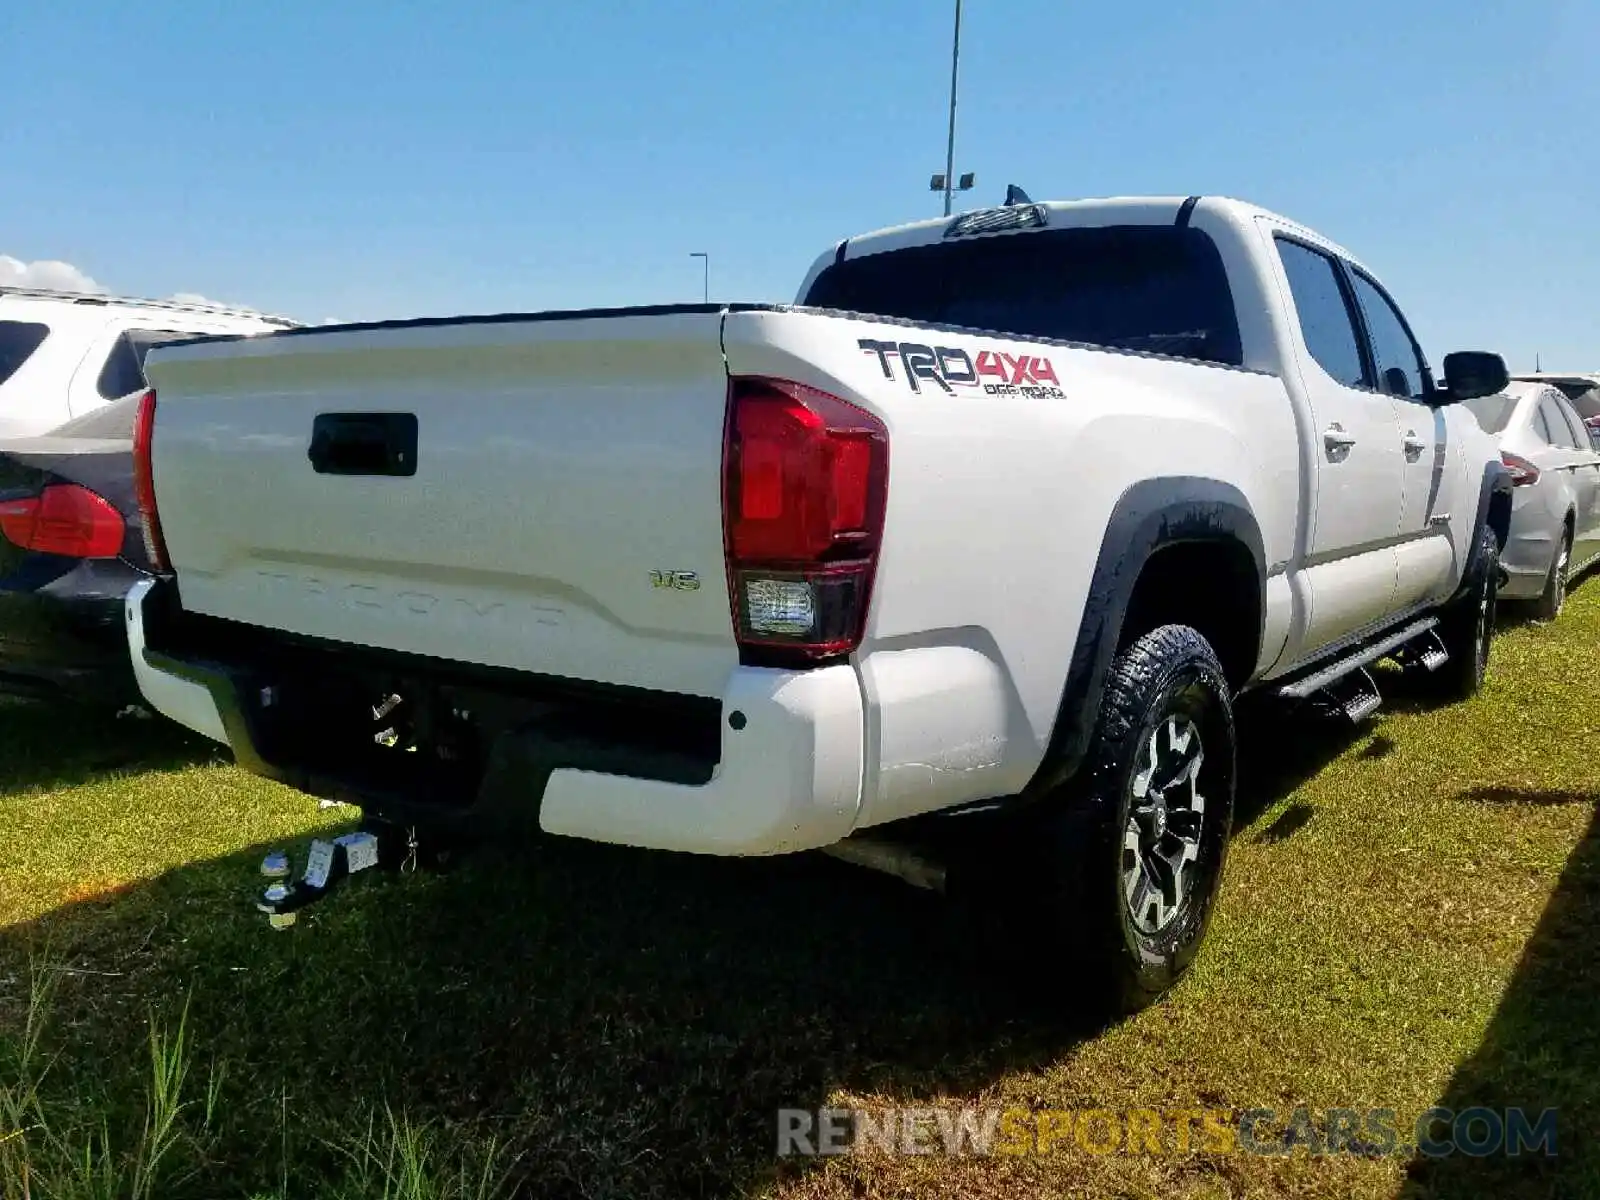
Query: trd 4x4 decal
x=950, y=367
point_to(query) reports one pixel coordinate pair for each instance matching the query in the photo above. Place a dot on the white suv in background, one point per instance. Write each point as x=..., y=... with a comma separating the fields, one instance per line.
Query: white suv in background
x=63, y=354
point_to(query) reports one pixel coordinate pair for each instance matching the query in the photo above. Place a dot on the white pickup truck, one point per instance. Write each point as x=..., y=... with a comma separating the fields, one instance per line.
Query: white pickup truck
x=994, y=523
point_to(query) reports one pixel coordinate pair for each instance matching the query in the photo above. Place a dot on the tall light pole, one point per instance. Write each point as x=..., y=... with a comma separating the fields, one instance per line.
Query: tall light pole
x=706, y=263
x=947, y=182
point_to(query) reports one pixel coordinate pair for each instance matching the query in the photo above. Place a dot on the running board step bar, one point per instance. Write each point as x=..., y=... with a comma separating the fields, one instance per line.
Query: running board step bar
x=891, y=858
x=1432, y=654
x=1365, y=656
x=1363, y=699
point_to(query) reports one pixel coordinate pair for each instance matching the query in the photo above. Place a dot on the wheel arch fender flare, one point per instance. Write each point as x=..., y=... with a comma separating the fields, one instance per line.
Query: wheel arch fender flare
x=1494, y=510
x=1149, y=516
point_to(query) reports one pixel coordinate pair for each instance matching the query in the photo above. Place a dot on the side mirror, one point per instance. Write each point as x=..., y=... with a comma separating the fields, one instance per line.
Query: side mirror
x=1469, y=374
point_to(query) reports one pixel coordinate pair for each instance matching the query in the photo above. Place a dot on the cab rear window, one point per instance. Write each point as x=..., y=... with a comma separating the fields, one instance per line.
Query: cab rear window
x=1161, y=289
x=18, y=341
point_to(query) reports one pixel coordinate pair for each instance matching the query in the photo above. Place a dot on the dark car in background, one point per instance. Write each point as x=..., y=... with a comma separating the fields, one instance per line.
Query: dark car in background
x=71, y=547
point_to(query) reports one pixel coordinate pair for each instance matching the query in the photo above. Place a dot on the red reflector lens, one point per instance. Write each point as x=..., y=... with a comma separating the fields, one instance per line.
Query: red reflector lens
x=144, y=489
x=805, y=486
x=852, y=471
x=64, y=519
x=1522, y=471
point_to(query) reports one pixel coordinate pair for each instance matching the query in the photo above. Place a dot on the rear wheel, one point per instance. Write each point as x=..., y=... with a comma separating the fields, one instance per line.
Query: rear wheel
x=1550, y=603
x=1111, y=885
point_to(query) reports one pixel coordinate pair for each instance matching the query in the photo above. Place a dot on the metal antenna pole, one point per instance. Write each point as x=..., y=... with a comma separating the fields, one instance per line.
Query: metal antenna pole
x=950, y=146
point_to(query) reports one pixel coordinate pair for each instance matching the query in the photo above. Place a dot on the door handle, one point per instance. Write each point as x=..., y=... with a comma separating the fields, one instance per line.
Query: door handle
x=364, y=444
x=1413, y=444
x=1335, y=438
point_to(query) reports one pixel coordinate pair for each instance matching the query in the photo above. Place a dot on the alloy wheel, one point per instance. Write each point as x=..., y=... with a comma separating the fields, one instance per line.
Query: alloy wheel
x=1161, y=842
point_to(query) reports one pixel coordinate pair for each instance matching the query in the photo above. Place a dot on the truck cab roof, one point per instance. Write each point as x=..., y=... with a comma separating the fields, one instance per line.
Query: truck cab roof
x=1005, y=220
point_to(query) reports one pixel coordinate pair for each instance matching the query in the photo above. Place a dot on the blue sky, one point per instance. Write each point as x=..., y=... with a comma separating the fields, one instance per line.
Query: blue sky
x=369, y=158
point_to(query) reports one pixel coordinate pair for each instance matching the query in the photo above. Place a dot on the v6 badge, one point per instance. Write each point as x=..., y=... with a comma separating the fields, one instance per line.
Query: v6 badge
x=683, y=581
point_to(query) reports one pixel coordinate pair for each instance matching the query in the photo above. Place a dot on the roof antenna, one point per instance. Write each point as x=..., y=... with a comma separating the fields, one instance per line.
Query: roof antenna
x=1015, y=195
x=1537, y=369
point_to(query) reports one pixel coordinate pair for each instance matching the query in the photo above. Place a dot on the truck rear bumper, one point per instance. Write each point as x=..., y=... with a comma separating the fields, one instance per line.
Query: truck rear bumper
x=789, y=779
x=185, y=700
x=788, y=776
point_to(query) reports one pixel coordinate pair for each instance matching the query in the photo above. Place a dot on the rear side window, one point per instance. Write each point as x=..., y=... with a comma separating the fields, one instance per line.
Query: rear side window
x=1154, y=288
x=1585, y=397
x=1326, y=321
x=18, y=341
x=1562, y=432
x=124, y=367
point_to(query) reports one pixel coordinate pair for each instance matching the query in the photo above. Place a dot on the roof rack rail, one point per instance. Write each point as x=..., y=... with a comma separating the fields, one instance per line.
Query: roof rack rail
x=222, y=310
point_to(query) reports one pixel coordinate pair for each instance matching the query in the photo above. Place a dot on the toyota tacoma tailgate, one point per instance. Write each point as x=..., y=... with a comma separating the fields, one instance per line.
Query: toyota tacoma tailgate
x=540, y=494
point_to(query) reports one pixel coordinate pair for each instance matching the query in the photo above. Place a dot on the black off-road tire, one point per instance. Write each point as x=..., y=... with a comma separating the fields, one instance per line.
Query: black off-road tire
x=1467, y=625
x=1554, y=597
x=1053, y=891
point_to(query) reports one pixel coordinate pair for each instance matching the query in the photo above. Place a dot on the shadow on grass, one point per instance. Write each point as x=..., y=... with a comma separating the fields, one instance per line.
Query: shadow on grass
x=1381, y=746
x=1280, y=748
x=1528, y=796
x=630, y=1021
x=1290, y=822
x=1542, y=1051
x=1515, y=614
x=53, y=745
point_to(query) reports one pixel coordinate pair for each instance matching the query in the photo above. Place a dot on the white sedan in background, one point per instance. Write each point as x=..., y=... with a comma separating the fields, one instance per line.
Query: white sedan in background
x=1582, y=390
x=1555, y=514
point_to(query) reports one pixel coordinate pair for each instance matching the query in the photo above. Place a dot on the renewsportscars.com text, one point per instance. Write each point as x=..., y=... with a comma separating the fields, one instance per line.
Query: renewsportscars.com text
x=1369, y=1132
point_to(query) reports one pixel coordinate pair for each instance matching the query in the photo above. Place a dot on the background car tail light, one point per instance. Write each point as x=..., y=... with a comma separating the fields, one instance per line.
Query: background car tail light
x=65, y=519
x=1522, y=471
x=805, y=481
x=144, y=485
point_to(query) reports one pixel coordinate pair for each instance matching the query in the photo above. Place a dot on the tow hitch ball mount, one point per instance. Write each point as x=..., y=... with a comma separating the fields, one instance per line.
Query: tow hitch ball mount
x=329, y=862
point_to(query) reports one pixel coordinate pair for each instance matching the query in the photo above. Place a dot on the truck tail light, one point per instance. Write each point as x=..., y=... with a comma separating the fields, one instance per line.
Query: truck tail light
x=144, y=489
x=66, y=519
x=1522, y=471
x=805, y=482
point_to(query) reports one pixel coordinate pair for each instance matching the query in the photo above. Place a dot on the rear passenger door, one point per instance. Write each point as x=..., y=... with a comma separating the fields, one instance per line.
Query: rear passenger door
x=1424, y=552
x=1350, y=556
x=1567, y=434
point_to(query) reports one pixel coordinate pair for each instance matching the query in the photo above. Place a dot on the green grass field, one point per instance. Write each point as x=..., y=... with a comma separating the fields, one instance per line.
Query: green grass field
x=1411, y=916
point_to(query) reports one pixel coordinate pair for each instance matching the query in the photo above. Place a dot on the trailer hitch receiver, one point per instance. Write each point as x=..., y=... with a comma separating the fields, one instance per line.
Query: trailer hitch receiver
x=329, y=863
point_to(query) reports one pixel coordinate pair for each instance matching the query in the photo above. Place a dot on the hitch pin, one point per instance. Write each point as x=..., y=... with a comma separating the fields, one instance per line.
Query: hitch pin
x=410, y=863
